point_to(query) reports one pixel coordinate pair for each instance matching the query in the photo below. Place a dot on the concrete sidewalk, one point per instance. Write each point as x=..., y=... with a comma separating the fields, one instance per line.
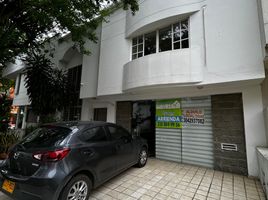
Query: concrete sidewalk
x=167, y=180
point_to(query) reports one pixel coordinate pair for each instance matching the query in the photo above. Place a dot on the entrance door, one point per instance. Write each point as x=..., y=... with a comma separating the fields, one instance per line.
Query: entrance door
x=100, y=114
x=143, y=122
x=123, y=114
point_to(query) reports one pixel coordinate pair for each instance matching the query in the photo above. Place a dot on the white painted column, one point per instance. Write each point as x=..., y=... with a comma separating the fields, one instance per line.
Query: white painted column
x=111, y=112
x=17, y=118
x=24, y=122
x=86, y=113
x=254, y=126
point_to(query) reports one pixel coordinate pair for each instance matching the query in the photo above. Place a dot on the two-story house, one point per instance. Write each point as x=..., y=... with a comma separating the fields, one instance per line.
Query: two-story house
x=184, y=74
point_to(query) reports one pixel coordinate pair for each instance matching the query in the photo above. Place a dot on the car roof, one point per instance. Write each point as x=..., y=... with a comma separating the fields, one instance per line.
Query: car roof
x=78, y=124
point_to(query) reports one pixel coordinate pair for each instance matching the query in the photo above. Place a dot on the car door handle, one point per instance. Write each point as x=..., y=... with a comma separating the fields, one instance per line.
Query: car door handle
x=88, y=153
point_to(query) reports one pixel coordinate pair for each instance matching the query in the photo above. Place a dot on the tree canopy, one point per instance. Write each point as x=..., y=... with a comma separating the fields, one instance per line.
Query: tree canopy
x=46, y=85
x=25, y=23
x=5, y=102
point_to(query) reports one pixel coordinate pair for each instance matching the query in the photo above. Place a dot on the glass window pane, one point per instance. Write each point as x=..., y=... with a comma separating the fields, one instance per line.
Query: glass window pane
x=134, y=49
x=134, y=56
x=118, y=133
x=48, y=136
x=140, y=47
x=177, y=45
x=185, y=44
x=94, y=135
x=165, y=39
x=140, y=39
x=134, y=41
x=176, y=31
x=150, y=43
x=184, y=34
x=140, y=55
x=184, y=25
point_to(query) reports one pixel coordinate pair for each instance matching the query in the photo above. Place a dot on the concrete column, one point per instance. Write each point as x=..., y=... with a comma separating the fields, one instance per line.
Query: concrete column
x=86, y=110
x=254, y=125
x=111, y=112
x=24, y=123
x=18, y=118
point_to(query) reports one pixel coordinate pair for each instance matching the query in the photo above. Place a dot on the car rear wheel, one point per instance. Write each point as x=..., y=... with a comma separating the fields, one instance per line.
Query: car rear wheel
x=77, y=189
x=143, y=157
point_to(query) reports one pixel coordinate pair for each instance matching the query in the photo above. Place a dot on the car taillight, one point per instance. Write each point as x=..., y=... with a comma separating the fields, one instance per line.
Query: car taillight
x=51, y=156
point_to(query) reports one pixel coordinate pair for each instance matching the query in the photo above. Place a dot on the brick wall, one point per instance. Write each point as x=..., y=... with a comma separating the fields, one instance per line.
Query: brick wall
x=228, y=127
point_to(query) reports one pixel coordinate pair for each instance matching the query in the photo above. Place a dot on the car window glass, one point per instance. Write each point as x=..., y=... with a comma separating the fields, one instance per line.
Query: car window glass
x=96, y=134
x=49, y=136
x=117, y=133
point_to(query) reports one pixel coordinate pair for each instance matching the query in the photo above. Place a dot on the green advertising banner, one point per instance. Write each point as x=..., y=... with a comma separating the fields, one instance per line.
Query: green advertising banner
x=168, y=114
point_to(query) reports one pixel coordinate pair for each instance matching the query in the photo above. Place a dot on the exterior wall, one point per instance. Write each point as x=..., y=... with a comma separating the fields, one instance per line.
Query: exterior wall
x=89, y=105
x=229, y=44
x=114, y=53
x=12, y=69
x=265, y=17
x=90, y=67
x=264, y=87
x=254, y=125
x=21, y=98
x=263, y=10
x=233, y=41
x=153, y=13
x=228, y=127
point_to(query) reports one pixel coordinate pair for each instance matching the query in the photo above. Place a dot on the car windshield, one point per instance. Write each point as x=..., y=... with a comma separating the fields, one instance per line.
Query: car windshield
x=49, y=136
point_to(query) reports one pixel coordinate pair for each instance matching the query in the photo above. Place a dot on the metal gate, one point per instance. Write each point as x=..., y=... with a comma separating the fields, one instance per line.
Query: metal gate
x=193, y=144
x=197, y=136
x=168, y=144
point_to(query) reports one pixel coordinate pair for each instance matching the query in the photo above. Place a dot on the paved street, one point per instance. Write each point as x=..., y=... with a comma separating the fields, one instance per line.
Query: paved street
x=168, y=180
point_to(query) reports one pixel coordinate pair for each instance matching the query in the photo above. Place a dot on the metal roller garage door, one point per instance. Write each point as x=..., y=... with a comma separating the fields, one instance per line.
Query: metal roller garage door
x=197, y=138
x=193, y=144
x=168, y=144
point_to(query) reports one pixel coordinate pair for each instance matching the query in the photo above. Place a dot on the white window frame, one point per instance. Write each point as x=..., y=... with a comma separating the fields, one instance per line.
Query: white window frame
x=157, y=40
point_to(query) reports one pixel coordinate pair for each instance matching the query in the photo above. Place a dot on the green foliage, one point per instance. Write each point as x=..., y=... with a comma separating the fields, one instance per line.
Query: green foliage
x=46, y=85
x=5, y=84
x=7, y=139
x=25, y=23
x=5, y=102
x=5, y=107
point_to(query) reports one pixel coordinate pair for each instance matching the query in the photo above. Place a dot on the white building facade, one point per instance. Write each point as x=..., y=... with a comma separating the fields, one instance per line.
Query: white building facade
x=185, y=74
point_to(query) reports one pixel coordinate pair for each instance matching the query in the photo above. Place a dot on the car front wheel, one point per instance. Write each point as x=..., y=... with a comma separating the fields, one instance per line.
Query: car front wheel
x=143, y=157
x=77, y=189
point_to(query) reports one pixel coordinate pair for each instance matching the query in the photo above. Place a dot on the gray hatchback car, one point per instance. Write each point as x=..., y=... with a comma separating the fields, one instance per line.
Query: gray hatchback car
x=64, y=161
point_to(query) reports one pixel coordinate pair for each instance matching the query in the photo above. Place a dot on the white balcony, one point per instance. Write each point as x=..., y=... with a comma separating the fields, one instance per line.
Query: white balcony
x=184, y=66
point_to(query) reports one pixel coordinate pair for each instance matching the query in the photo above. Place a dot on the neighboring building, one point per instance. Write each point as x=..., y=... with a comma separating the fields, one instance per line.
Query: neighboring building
x=185, y=74
x=262, y=152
